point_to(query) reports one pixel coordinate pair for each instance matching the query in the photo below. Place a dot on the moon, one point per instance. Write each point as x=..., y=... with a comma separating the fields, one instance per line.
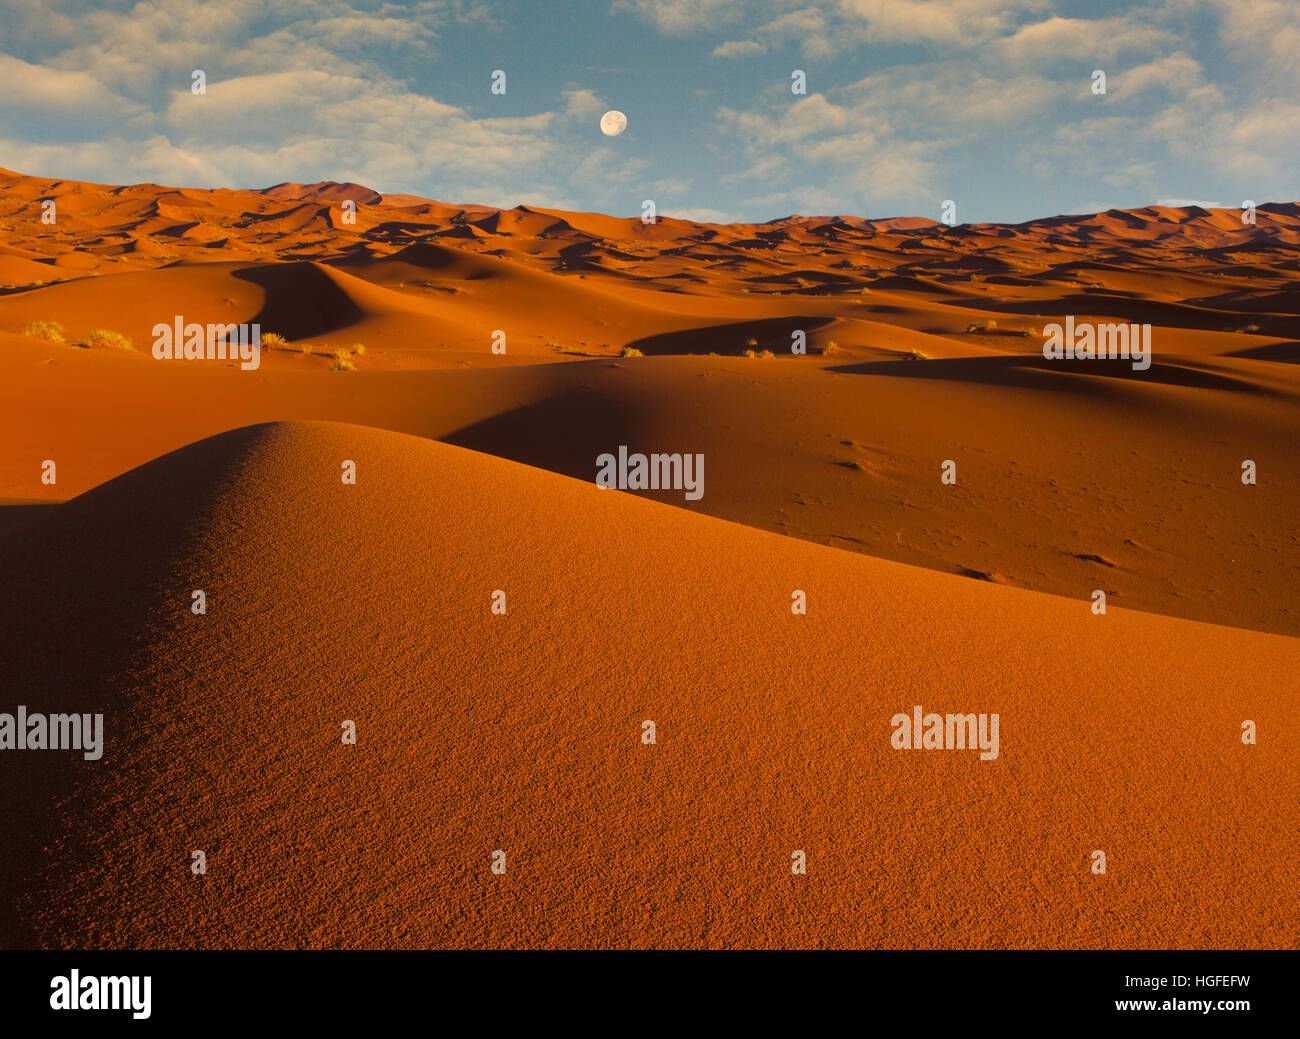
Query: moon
x=613, y=123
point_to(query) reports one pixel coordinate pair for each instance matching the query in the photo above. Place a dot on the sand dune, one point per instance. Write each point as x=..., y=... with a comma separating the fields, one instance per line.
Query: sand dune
x=522, y=732
x=1055, y=464
x=17, y=270
x=562, y=284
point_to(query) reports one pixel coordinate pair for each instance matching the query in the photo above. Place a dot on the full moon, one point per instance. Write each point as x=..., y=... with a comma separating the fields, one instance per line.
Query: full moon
x=613, y=123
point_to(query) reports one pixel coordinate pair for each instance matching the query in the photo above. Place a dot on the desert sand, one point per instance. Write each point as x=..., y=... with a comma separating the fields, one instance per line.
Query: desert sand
x=522, y=732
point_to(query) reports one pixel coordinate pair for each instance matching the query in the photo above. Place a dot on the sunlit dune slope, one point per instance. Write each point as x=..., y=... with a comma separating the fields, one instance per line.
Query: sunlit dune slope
x=477, y=732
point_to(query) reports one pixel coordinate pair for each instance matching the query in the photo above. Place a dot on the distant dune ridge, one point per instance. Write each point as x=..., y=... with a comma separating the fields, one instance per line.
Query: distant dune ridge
x=560, y=284
x=476, y=364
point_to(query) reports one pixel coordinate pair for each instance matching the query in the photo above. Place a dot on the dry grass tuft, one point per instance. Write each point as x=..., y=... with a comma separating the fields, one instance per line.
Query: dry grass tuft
x=105, y=339
x=49, y=330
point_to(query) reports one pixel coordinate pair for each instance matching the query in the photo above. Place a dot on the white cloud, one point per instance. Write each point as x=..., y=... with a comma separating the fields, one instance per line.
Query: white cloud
x=114, y=160
x=1187, y=203
x=1264, y=35
x=1054, y=41
x=683, y=16
x=960, y=23
x=700, y=215
x=959, y=98
x=1176, y=74
x=608, y=177
x=737, y=49
x=855, y=151
x=772, y=168
x=820, y=28
x=583, y=104
x=59, y=99
x=809, y=26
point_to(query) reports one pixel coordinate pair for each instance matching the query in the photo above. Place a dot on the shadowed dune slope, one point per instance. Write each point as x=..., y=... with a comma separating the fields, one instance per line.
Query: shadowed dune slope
x=477, y=732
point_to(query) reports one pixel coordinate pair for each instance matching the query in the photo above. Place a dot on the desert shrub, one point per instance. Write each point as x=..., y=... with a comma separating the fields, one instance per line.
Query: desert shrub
x=359, y=349
x=104, y=339
x=273, y=341
x=51, y=330
x=766, y=353
x=307, y=349
x=992, y=326
x=632, y=351
x=916, y=355
x=751, y=353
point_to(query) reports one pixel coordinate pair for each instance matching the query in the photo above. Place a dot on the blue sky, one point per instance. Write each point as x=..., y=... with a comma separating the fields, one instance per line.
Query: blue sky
x=909, y=102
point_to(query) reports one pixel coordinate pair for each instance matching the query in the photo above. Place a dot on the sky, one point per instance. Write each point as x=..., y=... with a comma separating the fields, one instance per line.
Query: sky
x=908, y=103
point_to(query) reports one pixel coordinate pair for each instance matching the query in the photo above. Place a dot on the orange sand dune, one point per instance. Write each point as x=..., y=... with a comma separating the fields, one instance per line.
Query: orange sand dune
x=522, y=733
x=17, y=270
x=307, y=220
x=1070, y=478
x=127, y=482
x=561, y=285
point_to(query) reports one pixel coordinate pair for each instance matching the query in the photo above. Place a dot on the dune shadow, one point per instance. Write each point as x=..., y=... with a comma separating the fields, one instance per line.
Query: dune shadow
x=428, y=255
x=16, y=515
x=89, y=585
x=300, y=300
x=1109, y=303
x=13, y=290
x=562, y=434
x=1285, y=353
x=767, y=334
x=1037, y=372
x=1280, y=305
